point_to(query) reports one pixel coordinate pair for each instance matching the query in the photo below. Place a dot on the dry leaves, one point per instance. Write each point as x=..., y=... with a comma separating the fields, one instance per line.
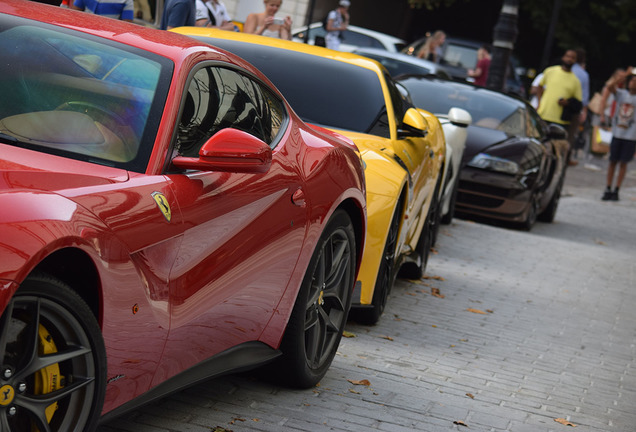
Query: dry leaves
x=460, y=423
x=564, y=422
x=470, y=395
x=477, y=311
x=436, y=293
x=348, y=334
x=439, y=278
x=363, y=382
x=387, y=338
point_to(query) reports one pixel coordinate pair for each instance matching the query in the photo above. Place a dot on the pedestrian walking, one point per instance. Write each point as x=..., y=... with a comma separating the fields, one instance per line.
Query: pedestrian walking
x=560, y=94
x=623, y=143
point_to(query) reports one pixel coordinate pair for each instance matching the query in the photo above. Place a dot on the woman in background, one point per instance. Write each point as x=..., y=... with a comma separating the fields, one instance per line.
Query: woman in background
x=264, y=23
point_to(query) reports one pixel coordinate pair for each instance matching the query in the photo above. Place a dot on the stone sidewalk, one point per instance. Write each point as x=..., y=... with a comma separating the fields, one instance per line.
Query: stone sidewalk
x=525, y=329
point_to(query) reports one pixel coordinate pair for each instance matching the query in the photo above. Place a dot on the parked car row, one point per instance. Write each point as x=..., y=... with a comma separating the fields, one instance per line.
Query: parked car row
x=181, y=206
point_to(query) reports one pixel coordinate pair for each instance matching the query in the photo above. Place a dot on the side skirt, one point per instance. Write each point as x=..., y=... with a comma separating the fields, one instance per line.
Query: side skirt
x=249, y=355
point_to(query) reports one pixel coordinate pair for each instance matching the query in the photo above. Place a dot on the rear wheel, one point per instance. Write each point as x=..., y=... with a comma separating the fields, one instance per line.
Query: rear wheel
x=53, y=360
x=320, y=313
x=415, y=269
x=386, y=275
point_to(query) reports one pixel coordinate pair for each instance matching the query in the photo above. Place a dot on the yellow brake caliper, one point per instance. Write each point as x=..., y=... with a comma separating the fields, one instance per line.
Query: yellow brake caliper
x=47, y=379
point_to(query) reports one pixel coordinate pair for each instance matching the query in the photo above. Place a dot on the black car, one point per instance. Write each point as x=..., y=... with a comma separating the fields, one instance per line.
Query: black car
x=514, y=163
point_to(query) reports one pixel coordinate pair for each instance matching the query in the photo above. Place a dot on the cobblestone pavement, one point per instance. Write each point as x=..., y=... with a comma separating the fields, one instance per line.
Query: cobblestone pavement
x=527, y=329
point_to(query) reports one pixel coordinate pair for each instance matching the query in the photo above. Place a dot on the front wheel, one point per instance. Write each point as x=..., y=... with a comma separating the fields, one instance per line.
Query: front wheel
x=549, y=213
x=320, y=312
x=53, y=360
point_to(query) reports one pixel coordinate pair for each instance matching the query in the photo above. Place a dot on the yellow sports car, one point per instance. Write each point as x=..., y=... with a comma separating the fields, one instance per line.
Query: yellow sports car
x=403, y=148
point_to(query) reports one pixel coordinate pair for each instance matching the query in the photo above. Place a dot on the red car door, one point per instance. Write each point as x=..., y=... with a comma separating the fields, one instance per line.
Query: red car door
x=243, y=232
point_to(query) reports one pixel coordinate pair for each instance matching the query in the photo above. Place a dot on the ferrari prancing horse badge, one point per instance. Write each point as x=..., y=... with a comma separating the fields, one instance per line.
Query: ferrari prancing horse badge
x=162, y=203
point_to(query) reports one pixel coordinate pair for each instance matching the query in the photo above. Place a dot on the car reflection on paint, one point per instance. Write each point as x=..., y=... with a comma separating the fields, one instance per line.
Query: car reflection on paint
x=166, y=218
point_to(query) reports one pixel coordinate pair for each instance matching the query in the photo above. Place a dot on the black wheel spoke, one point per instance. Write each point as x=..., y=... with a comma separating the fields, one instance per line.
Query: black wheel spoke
x=47, y=360
x=38, y=403
x=4, y=330
x=4, y=423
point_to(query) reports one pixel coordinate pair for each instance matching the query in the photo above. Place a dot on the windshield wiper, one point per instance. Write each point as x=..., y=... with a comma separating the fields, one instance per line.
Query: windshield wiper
x=6, y=137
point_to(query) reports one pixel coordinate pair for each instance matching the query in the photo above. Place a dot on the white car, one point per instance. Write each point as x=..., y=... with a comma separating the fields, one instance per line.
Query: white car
x=455, y=125
x=353, y=38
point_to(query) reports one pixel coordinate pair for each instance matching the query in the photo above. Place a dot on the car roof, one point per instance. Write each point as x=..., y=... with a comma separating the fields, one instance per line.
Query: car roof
x=342, y=56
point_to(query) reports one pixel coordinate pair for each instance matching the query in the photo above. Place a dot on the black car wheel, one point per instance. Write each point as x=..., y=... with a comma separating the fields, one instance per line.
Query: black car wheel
x=531, y=216
x=415, y=269
x=320, y=313
x=549, y=213
x=53, y=358
x=386, y=275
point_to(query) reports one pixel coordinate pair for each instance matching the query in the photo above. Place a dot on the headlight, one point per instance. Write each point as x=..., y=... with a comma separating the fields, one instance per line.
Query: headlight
x=494, y=163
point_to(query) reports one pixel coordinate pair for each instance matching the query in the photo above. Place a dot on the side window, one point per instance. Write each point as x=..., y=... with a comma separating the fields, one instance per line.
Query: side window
x=535, y=126
x=219, y=98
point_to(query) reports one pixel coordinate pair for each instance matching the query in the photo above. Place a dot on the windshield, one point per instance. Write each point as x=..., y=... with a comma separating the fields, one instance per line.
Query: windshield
x=488, y=109
x=78, y=96
x=320, y=90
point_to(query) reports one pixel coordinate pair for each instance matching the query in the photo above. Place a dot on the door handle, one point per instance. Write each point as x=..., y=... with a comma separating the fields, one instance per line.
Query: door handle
x=298, y=198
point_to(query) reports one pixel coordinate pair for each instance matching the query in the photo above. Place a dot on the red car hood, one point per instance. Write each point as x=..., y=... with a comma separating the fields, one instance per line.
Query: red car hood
x=26, y=169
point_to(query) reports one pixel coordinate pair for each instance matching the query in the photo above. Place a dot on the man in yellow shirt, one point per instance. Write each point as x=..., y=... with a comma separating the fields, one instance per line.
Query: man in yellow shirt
x=560, y=93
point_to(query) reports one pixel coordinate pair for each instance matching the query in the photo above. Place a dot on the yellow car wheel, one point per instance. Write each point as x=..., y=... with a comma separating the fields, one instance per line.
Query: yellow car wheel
x=386, y=275
x=53, y=360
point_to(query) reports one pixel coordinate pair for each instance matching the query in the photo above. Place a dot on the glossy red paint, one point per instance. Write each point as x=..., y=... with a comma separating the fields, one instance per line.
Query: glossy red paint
x=181, y=265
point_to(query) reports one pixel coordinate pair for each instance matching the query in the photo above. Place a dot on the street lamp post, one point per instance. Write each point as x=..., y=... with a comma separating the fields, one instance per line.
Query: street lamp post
x=504, y=37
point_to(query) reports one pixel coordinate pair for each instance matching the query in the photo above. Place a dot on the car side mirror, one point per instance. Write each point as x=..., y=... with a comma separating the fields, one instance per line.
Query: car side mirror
x=413, y=124
x=459, y=117
x=556, y=132
x=229, y=150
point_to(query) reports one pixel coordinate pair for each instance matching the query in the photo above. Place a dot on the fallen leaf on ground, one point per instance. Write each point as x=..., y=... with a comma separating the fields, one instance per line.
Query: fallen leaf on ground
x=460, y=423
x=436, y=293
x=256, y=419
x=387, y=337
x=363, y=382
x=564, y=422
x=433, y=325
x=434, y=251
x=439, y=278
x=353, y=391
x=348, y=334
x=490, y=311
x=477, y=311
x=470, y=395
x=411, y=294
x=600, y=242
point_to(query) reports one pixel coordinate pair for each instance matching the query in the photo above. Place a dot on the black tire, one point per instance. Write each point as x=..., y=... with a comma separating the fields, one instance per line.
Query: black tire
x=415, y=269
x=386, y=275
x=531, y=217
x=49, y=335
x=549, y=213
x=320, y=312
